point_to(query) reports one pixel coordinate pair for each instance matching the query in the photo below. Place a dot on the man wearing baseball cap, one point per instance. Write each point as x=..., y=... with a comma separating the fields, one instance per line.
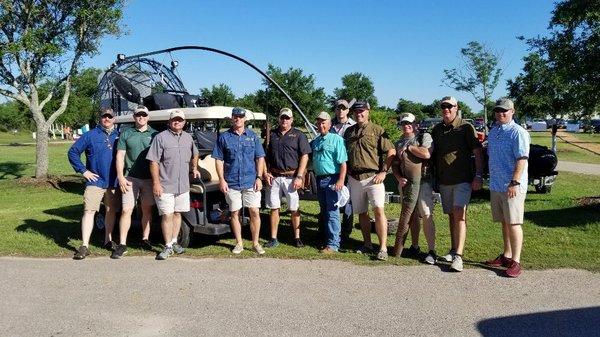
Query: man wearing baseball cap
x=100, y=175
x=329, y=164
x=133, y=174
x=172, y=155
x=455, y=143
x=370, y=155
x=239, y=160
x=508, y=150
x=287, y=156
x=340, y=123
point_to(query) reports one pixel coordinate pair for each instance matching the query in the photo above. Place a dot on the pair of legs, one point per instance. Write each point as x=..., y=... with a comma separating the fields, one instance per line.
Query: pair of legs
x=283, y=187
x=141, y=188
x=92, y=197
x=428, y=229
x=512, y=235
x=510, y=212
x=380, y=228
x=170, y=224
x=236, y=227
x=455, y=199
x=294, y=219
x=362, y=194
x=330, y=214
x=245, y=198
x=170, y=206
x=410, y=195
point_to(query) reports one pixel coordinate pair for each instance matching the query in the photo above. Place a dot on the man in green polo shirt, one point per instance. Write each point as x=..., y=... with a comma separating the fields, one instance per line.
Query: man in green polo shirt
x=133, y=174
x=455, y=142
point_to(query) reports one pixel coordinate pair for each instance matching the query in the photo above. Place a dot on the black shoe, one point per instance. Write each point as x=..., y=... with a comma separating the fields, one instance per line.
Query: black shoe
x=119, y=251
x=81, y=253
x=411, y=252
x=147, y=245
x=299, y=243
x=110, y=245
x=272, y=243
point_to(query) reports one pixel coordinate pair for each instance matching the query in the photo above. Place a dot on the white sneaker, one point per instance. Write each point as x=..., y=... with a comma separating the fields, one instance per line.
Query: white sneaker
x=430, y=258
x=258, y=249
x=238, y=248
x=448, y=257
x=457, y=263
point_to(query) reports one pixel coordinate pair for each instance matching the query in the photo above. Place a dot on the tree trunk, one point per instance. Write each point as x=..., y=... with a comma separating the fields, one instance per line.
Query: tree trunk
x=41, y=152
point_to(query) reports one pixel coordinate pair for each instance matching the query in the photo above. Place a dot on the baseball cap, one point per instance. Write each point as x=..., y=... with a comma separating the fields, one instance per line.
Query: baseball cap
x=360, y=105
x=285, y=112
x=407, y=117
x=140, y=108
x=176, y=113
x=324, y=116
x=450, y=100
x=106, y=111
x=238, y=112
x=504, y=103
x=342, y=102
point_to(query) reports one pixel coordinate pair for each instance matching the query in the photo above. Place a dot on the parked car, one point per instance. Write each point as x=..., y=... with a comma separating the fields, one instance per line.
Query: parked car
x=428, y=123
x=592, y=125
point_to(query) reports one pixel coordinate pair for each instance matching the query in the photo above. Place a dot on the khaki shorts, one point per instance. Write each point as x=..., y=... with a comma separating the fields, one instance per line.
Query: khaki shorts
x=93, y=196
x=247, y=198
x=507, y=210
x=140, y=188
x=282, y=187
x=457, y=195
x=363, y=193
x=169, y=203
x=425, y=203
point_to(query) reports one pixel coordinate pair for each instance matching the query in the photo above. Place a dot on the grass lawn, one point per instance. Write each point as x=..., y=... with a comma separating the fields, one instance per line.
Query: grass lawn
x=43, y=220
x=566, y=151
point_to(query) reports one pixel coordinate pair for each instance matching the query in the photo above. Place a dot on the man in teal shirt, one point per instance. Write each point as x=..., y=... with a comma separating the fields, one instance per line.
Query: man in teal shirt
x=133, y=174
x=329, y=164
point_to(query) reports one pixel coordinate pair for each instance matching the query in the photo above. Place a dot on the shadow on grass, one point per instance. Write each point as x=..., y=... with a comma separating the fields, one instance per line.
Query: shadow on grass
x=566, y=217
x=11, y=169
x=59, y=231
x=568, y=322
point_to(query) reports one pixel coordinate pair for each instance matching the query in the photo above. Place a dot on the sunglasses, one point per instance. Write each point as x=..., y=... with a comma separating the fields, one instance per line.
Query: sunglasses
x=109, y=116
x=500, y=110
x=284, y=117
x=447, y=106
x=341, y=107
x=143, y=114
x=405, y=123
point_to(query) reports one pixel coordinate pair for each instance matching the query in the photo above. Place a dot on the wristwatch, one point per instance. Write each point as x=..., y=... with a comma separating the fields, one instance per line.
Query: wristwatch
x=299, y=177
x=514, y=183
x=259, y=178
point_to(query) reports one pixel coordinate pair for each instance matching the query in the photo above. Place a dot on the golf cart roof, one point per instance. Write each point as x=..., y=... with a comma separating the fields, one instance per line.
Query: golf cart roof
x=206, y=113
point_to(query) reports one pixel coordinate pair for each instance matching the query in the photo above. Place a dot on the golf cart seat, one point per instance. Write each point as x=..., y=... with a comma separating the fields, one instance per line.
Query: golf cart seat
x=208, y=176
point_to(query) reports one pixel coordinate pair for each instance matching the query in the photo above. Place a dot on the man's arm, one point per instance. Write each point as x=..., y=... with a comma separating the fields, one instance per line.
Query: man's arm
x=419, y=151
x=194, y=163
x=478, y=180
x=120, y=165
x=222, y=183
x=298, y=180
x=156, y=188
x=519, y=167
x=340, y=182
x=380, y=177
x=260, y=169
x=74, y=156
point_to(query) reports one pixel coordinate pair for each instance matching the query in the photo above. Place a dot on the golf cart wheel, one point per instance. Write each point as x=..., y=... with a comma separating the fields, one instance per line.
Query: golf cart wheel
x=543, y=189
x=185, y=233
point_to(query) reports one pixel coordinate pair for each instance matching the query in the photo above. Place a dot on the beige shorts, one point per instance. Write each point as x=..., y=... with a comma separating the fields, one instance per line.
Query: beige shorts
x=93, y=196
x=282, y=187
x=140, y=188
x=425, y=203
x=247, y=198
x=507, y=210
x=364, y=192
x=457, y=195
x=169, y=203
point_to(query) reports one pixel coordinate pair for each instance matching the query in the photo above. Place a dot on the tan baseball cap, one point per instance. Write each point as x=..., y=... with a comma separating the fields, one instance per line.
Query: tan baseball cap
x=449, y=100
x=176, y=113
x=324, y=116
x=285, y=112
x=407, y=117
x=504, y=103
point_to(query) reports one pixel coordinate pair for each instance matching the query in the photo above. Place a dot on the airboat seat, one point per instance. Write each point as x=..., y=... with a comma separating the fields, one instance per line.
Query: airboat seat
x=208, y=175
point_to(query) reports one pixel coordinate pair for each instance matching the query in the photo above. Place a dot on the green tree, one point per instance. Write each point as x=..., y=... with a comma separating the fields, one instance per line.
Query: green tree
x=13, y=115
x=478, y=73
x=220, y=94
x=356, y=85
x=43, y=42
x=387, y=120
x=414, y=108
x=301, y=89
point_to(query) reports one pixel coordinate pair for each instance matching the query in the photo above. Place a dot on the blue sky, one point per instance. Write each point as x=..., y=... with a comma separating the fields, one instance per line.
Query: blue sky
x=402, y=46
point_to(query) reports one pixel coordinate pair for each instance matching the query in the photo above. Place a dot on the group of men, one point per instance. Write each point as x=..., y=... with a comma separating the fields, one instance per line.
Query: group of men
x=348, y=154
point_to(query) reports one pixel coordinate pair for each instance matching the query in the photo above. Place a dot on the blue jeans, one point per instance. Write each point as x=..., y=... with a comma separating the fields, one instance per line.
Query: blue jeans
x=330, y=214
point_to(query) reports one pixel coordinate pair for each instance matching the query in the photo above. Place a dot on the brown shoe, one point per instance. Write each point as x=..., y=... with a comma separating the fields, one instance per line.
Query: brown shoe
x=501, y=260
x=514, y=269
x=328, y=250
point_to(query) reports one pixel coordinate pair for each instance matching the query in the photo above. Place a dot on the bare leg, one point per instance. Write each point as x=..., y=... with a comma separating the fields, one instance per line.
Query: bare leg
x=295, y=219
x=429, y=230
x=166, y=224
x=146, y=221
x=254, y=224
x=452, y=231
x=516, y=241
x=506, y=235
x=236, y=227
x=109, y=223
x=274, y=222
x=365, y=228
x=176, y=225
x=460, y=228
x=87, y=224
x=124, y=225
x=381, y=227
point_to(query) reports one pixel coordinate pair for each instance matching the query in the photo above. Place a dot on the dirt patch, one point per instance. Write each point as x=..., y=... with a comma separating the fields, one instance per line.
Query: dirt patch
x=57, y=182
x=573, y=140
x=589, y=201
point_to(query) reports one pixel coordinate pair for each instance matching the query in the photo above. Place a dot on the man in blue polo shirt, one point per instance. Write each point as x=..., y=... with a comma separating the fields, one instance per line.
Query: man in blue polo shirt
x=508, y=150
x=99, y=145
x=329, y=165
x=239, y=157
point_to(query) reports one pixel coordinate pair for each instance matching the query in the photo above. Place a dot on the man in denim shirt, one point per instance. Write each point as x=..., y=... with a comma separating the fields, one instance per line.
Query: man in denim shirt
x=508, y=150
x=239, y=160
x=100, y=174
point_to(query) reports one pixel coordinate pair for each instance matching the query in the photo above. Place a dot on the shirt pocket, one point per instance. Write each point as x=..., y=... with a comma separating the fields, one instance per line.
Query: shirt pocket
x=369, y=141
x=170, y=154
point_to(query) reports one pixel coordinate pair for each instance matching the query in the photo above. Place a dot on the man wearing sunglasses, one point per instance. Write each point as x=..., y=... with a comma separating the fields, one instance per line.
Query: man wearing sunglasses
x=287, y=156
x=508, y=150
x=100, y=175
x=455, y=143
x=133, y=174
x=339, y=125
x=172, y=155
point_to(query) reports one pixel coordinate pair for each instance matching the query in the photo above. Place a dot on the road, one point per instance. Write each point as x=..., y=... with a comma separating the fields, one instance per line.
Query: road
x=578, y=167
x=138, y=296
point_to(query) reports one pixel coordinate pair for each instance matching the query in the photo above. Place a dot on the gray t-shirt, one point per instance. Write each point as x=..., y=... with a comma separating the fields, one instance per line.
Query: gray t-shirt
x=173, y=153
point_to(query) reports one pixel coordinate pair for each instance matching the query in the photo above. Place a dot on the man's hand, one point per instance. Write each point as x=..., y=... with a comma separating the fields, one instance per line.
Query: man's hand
x=257, y=185
x=223, y=186
x=268, y=177
x=196, y=173
x=124, y=184
x=379, y=178
x=339, y=184
x=90, y=176
x=512, y=191
x=477, y=183
x=297, y=183
x=157, y=190
x=402, y=182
